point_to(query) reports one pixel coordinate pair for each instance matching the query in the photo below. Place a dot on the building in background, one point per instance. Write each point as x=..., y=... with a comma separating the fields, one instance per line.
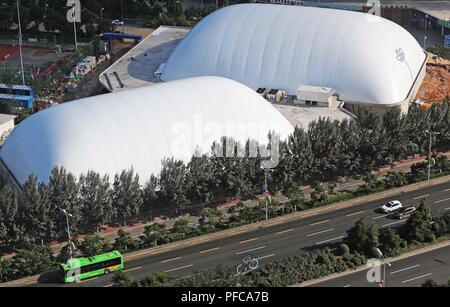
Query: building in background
x=21, y=96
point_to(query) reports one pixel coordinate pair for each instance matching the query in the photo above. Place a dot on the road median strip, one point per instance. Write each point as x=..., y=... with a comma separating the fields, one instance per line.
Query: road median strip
x=410, y=254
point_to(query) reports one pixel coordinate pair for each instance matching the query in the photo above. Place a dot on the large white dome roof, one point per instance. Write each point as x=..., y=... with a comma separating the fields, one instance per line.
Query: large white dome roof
x=139, y=128
x=364, y=58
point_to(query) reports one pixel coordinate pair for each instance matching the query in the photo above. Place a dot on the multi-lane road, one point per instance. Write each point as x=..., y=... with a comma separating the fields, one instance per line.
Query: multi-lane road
x=409, y=272
x=276, y=241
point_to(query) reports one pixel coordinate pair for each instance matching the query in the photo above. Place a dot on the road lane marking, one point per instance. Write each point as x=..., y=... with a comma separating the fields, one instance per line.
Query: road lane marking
x=139, y=254
x=408, y=268
x=88, y=280
x=379, y=217
x=415, y=278
x=209, y=250
x=319, y=223
x=284, y=231
x=329, y=240
x=446, y=190
x=318, y=233
x=441, y=201
x=355, y=213
x=422, y=196
x=251, y=250
x=446, y=209
x=347, y=286
x=170, y=260
x=180, y=268
x=108, y=286
x=133, y=269
x=264, y=257
x=249, y=240
x=393, y=223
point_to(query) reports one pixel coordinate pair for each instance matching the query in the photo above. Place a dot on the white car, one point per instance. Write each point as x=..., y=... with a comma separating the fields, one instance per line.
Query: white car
x=117, y=22
x=391, y=206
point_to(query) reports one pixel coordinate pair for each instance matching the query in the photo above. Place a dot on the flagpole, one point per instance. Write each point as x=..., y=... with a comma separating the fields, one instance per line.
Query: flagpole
x=20, y=42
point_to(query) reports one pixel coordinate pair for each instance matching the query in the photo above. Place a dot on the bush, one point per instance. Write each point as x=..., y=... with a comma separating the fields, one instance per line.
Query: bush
x=124, y=280
x=344, y=250
x=94, y=245
x=418, y=228
x=124, y=242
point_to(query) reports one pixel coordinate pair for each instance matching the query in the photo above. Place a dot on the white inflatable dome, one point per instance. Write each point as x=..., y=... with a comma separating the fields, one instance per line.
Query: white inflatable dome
x=364, y=58
x=139, y=128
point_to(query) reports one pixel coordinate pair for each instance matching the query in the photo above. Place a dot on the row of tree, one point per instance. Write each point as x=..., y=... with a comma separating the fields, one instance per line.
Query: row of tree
x=326, y=150
x=96, y=15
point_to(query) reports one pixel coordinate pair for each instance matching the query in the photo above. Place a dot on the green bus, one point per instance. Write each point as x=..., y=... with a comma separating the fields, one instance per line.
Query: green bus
x=78, y=269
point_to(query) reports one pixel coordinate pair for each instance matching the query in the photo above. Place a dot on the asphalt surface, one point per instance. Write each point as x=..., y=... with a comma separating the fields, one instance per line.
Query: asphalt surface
x=273, y=242
x=408, y=272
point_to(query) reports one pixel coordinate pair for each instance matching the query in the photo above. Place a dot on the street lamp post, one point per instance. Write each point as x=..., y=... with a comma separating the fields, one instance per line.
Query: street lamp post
x=20, y=42
x=74, y=15
x=430, y=148
x=443, y=22
x=380, y=254
x=266, y=190
x=69, y=238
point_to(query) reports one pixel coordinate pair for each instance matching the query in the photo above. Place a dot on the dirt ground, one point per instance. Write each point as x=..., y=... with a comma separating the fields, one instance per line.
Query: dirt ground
x=436, y=85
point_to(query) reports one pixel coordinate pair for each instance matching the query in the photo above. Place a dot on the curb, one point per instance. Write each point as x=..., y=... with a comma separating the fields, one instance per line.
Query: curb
x=413, y=253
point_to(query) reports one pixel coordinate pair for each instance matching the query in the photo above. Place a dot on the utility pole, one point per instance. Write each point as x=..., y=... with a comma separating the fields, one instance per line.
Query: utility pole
x=74, y=15
x=69, y=238
x=20, y=42
x=45, y=9
x=444, y=22
x=266, y=191
x=430, y=148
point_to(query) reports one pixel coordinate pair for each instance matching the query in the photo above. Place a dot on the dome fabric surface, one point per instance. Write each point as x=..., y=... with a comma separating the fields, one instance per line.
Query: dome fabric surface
x=139, y=128
x=364, y=58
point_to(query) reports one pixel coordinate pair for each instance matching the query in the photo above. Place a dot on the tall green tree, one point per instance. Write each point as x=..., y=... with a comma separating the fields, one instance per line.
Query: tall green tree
x=63, y=189
x=418, y=228
x=362, y=237
x=36, y=212
x=127, y=196
x=95, y=201
x=172, y=182
x=10, y=229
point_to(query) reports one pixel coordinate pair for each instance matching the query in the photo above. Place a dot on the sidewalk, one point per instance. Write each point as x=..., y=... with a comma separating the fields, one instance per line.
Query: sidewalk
x=137, y=229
